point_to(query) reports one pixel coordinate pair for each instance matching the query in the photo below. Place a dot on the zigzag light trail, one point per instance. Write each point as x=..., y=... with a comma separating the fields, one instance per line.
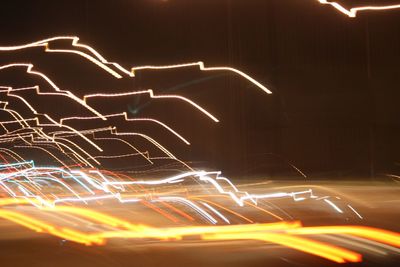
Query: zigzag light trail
x=102, y=62
x=352, y=12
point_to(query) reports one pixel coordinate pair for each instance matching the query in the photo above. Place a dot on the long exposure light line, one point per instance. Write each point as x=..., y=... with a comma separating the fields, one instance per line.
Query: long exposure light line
x=317, y=248
x=264, y=232
x=150, y=92
x=352, y=12
x=125, y=116
x=100, y=61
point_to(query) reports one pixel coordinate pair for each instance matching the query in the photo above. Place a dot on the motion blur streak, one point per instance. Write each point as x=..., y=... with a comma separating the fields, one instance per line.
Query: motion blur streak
x=69, y=191
x=283, y=233
x=40, y=226
x=379, y=235
x=320, y=249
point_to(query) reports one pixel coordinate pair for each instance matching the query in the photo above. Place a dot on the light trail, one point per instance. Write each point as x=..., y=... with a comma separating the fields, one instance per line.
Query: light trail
x=92, y=143
x=200, y=64
x=100, y=61
x=333, y=205
x=382, y=236
x=277, y=233
x=283, y=233
x=330, y=252
x=352, y=12
x=152, y=95
x=356, y=212
x=29, y=70
x=125, y=116
x=93, y=56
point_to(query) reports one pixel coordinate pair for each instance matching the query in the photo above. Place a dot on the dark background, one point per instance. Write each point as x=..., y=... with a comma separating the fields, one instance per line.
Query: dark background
x=335, y=80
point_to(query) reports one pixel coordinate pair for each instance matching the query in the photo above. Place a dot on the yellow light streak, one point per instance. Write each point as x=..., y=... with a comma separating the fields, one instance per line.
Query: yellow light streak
x=317, y=248
x=282, y=233
x=379, y=235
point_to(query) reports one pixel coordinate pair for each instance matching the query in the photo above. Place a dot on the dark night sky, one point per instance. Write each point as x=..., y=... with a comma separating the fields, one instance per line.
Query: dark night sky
x=336, y=80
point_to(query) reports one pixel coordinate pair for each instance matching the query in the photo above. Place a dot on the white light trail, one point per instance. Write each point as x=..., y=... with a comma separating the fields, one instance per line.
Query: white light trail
x=352, y=12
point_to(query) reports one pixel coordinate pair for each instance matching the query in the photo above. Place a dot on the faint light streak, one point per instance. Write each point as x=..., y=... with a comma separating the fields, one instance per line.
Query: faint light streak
x=374, y=243
x=160, y=211
x=124, y=114
x=180, y=212
x=358, y=214
x=216, y=212
x=222, y=207
x=78, y=133
x=333, y=205
x=356, y=243
x=46, y=151
x=151, y=94
x=147, y=158
x=189, y=203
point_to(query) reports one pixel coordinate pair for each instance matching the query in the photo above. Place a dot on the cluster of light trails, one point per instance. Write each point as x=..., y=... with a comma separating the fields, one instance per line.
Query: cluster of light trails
x=92, y=55
x=12, y=95
x=64, y=198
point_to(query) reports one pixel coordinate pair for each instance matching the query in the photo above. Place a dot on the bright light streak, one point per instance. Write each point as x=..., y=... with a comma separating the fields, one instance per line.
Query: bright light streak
x=352, y=12
x=283, y=233
x=330, y=252
x=100, y=61
x=383, y=236
x=203, y=68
